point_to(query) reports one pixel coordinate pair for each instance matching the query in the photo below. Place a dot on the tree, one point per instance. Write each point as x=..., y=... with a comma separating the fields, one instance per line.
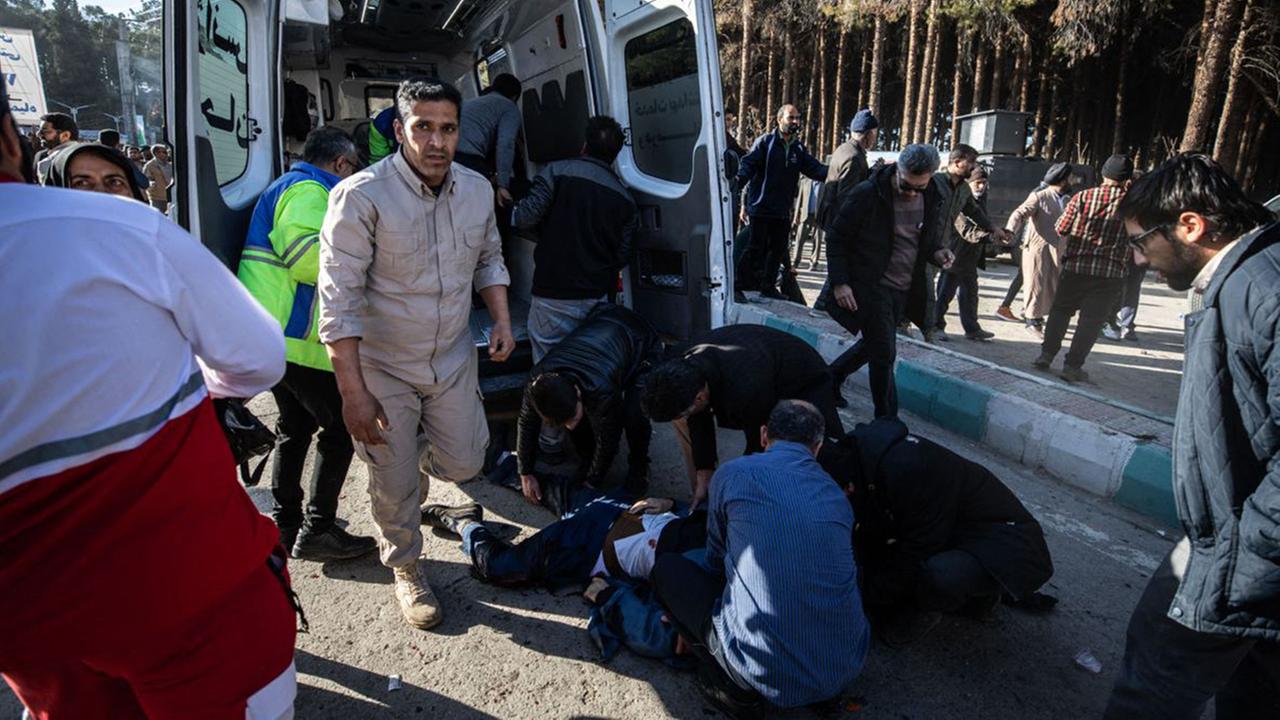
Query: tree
x=925, y=107
x=913, y=72
x=1227, y=143
x=748, y=20
x=1209, y=73
x=842, y=82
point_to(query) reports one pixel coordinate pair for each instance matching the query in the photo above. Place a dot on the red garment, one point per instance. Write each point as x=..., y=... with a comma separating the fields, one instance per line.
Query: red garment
x=128, y=563
x=1093, y=236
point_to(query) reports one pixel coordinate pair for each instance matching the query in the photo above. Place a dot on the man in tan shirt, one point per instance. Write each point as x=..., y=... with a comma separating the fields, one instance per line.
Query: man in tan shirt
x=403, y=245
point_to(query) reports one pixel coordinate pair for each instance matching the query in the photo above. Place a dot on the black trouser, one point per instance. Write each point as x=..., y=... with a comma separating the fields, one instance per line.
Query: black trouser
x=808, y=231
x=1171, y=672
x=1093, y=297
x=962, y=281
x=1124, y=313
x=879, y=312
x=308, y=399
x=474, y=162
x=1015, y=285
x=635, y=424
x=950, y=579
x=689, y=593
x=765, y=253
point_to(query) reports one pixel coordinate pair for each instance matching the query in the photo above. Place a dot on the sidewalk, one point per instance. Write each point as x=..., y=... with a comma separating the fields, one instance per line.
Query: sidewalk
x=1107, y=446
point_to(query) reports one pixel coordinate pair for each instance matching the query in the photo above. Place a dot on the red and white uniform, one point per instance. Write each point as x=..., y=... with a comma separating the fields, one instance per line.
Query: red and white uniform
x=133, y=575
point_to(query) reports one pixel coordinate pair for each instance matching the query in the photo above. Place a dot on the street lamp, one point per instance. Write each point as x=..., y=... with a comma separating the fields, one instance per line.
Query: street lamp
x=73, y=109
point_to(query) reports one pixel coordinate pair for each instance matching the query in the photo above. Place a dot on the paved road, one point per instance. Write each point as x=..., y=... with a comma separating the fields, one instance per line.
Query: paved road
x=509, y=654
x=1146, y=373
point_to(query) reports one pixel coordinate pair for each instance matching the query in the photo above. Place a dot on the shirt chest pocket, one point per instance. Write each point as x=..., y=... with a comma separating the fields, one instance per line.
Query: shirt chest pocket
x=398, y=257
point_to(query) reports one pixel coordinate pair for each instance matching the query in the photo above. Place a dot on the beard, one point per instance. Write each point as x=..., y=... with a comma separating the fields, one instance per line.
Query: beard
x=1185, y=265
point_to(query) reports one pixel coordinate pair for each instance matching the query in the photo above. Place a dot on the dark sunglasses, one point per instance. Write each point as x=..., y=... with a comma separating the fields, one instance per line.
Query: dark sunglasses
x=1139, y=242
x=906, y=187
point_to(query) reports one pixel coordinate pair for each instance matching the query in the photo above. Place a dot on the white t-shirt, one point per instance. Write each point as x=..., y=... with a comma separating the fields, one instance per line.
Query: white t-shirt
x=636, y=553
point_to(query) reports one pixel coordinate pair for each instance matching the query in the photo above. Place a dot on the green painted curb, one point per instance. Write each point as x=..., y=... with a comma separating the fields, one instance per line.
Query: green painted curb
x=1147, y=483
x=956, y=405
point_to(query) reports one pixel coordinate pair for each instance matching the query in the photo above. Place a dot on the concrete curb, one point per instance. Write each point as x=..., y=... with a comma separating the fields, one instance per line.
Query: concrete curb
x=1132, y=472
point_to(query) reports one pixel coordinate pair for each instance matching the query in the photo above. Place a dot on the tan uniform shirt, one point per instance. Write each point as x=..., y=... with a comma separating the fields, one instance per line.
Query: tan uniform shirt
x=398, y=264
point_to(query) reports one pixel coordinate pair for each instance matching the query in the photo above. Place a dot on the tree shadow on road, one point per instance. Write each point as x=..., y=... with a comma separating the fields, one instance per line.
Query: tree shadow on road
x=409, y=701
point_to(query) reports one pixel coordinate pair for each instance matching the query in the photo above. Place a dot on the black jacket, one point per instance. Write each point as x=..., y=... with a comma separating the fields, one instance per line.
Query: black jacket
x=771, y=173
x=748, y=369
x=586, y=222
x=969, y=242
x=915, y=499
x=847, y=168
x=606, y=356
x=860, y=238
x=1226, y=447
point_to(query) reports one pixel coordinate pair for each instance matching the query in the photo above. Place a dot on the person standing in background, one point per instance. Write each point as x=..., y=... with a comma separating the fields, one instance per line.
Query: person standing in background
x=1039, y=214
x=487, y=138
x=159, y=172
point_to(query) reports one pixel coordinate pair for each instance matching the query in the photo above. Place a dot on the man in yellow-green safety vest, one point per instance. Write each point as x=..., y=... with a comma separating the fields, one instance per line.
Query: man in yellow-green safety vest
x=279, y=266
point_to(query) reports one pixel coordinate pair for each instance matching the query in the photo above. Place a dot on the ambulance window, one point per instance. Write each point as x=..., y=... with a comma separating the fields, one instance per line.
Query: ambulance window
x=663, y=100
x=224, y=85
x=378, y=98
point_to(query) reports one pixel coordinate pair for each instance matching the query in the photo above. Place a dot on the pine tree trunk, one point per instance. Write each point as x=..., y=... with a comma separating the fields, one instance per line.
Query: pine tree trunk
x=1247, y=140
x=979, y=74
x=842, y=70
x=877, y=66
x=1227, y=143
x=824, y=92
x=1051, y=126
x=957, y=83
x=864, y=74
x=1070, y=143
x=1204, y=90
x=788, y=69
x=1250, y=172
x=1122, y=81
x=997, y=74
x=930, y=123
x=771, y=74
x=1206, y=29
x=744, y=73
x=1042, y=104
x=1023, y=72
x=810, y=116
x=912, y=75
x=922, y=121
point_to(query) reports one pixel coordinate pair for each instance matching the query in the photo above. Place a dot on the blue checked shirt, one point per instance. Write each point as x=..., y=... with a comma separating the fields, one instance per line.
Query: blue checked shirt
x=790, y=619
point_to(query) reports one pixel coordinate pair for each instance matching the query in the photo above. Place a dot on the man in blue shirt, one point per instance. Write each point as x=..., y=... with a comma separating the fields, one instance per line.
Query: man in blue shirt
x=777, y=619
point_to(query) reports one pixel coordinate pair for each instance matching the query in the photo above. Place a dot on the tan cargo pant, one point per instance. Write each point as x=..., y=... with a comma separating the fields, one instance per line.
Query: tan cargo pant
x=451, y=414
x=1040, y=271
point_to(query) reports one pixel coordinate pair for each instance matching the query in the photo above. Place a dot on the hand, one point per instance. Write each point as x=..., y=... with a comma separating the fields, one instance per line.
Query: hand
x=504, y=197
x=701, y=483
x=501, y=342
x=364, y=418
x=844, y=297
x=742, y=216
x=532, y=491
x=944, y=258
x=1003, y=236
x=652, y=506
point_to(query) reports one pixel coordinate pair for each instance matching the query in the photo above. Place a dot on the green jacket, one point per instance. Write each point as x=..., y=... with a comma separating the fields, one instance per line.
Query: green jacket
x=281, y=258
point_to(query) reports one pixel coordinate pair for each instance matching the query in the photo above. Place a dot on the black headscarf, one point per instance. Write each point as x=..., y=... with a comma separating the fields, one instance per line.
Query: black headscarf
x=58, y=176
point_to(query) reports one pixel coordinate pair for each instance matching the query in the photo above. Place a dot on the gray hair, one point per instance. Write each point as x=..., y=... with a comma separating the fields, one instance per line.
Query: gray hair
x=416, y=90
x=919, y=159
x=326, y=144
x=796, y=421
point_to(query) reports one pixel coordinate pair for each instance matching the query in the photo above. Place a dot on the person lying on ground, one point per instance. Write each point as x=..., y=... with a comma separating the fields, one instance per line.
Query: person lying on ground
x=936, y=532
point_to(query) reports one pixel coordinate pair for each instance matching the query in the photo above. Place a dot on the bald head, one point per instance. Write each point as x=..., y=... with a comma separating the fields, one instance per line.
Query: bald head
x=788, y=119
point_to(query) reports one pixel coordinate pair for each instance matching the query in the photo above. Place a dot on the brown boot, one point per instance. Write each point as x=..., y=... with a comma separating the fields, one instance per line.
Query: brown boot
x=417, y=603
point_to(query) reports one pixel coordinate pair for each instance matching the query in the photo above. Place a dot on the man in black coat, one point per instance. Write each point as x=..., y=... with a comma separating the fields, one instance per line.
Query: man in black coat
x=590, y=384
x=733, y=376
x=878, y=246
x=1208, y=623
x=935, y=531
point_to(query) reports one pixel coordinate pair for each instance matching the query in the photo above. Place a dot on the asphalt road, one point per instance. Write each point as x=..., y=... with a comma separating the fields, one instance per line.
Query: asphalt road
x=525, y=654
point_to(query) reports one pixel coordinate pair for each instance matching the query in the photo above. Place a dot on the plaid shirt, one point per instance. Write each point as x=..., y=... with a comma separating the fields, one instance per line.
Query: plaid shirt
x=1093, y=234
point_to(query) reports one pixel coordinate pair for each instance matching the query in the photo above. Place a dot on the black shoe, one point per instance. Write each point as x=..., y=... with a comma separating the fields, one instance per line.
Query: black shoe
x=772, y=294
x=1074, y=374
x=332, y=544
x=451, y=518
x=908, y=627
x=732, y=701
x=637, y=482
x=1043, y=362
x=980, y=335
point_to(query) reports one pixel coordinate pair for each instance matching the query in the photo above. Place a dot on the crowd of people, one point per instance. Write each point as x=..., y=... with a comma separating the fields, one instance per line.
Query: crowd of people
x=351, y=306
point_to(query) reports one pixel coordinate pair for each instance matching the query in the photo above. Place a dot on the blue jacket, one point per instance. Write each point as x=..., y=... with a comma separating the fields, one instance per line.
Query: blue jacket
x=772, y=174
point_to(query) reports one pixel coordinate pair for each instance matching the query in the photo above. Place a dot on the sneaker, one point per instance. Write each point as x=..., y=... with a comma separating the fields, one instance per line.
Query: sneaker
x=451, y=518
x=908, y=627
x=1073, y=374
x=1035, y=329
x=940, y=335
x=980, y=335
x=1042, y=362
x=1111, y=333
x=929, y=336
x=1130, y=334
x=332, y=544
x=417, y=603
x=1005, y=313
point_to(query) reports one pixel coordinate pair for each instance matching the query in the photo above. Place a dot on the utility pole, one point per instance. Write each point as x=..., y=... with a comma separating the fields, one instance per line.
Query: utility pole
x=124, y=62
x=72, y=110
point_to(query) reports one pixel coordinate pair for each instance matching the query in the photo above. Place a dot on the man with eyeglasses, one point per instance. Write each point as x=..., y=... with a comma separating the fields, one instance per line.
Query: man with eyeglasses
x=771, y=173
x=879, y=243
x=1208, y=624
x=1093, y=269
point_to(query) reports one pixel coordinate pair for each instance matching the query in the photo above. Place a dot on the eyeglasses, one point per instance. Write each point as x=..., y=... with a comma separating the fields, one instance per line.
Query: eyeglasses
x=906, y=187
x=1139, y=242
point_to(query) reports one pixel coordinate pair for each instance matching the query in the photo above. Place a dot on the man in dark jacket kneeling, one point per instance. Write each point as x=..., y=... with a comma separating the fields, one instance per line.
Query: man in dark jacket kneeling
x=1208, y=623
x=590, y=384
x=936, y=532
